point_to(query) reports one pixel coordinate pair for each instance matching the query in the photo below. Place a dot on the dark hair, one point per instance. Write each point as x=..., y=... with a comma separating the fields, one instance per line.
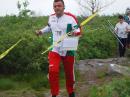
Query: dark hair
x=60, y=0
x=120, y=17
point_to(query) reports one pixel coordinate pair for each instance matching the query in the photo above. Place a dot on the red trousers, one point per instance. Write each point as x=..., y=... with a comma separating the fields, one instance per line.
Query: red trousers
x=54, y=63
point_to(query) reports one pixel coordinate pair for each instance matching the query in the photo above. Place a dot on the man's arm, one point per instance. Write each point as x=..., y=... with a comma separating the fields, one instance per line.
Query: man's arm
x=44, y=30
x=76, y=27
x=116, y=28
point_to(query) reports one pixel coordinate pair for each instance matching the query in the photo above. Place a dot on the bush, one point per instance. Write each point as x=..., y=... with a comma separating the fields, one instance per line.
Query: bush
x=27, y=58
x=99, y=43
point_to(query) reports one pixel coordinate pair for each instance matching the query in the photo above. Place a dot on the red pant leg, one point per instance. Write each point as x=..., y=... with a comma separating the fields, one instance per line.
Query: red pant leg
x=68, y=62
x=54, y=62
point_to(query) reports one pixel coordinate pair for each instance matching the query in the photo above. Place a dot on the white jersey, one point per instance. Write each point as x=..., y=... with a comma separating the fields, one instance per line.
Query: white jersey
x=121, y=29
x=58, y=27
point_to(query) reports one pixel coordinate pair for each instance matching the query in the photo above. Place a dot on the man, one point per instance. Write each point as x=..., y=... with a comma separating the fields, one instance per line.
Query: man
x=121, y=29
x=127, y=19
x=58, y=24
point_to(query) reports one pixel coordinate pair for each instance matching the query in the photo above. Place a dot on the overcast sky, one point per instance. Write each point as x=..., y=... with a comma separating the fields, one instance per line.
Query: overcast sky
x=44, y=7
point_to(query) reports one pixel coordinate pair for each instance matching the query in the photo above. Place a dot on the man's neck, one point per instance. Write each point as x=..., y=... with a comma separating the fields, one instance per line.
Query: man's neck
x=60, y=15
x=121, y=22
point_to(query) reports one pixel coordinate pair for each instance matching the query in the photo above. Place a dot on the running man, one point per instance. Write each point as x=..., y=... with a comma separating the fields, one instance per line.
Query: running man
x=58, y=25
x=121, y=29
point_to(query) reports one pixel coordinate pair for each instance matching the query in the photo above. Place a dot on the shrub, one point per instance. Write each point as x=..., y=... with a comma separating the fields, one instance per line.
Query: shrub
x=26, y=57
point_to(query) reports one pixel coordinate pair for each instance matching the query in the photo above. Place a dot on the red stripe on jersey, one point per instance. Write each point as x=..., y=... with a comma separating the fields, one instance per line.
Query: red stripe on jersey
x=69, y=14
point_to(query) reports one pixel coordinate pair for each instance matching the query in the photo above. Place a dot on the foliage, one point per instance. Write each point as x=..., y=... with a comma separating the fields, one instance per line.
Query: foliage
x=26, y=57
x=33, y=81
x=117, y=88
x=99, y=43
x=6, y=84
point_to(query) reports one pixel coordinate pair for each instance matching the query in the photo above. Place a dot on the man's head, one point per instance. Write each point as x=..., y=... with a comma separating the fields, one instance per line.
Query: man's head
x=59, y=7
x=121, y=18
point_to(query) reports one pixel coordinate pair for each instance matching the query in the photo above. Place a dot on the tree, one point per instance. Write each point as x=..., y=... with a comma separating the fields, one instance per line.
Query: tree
x=23, y=8
x=93, y=5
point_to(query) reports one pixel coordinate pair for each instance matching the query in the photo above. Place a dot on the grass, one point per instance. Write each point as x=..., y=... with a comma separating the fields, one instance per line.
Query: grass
x=25, y=84
x=116, y=88
x=34, y=81
x=36, y=84
x=7, y=84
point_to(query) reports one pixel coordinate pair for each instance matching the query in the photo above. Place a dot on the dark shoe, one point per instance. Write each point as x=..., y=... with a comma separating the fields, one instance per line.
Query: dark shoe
x=72, y=94
x=54, y=96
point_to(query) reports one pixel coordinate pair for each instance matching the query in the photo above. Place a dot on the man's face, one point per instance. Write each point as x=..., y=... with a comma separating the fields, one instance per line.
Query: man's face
x=121, y=20
x=58, y=8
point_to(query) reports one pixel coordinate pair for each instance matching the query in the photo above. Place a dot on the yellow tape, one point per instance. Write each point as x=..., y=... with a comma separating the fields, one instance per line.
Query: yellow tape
x=8, y=50
x=88, y=19
x=56, y=43
x=65, y=35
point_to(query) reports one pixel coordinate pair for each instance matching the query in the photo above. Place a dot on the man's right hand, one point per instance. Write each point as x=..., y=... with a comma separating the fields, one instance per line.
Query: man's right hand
x=38, y=32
